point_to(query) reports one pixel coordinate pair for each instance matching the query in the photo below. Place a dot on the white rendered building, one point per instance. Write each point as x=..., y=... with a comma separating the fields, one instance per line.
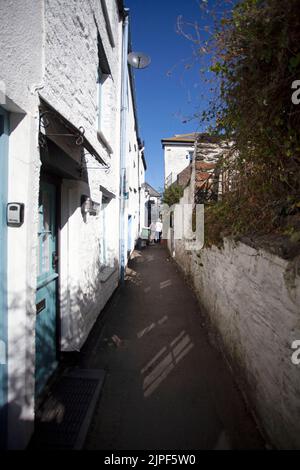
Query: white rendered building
x=60, y=144
x=178, y=154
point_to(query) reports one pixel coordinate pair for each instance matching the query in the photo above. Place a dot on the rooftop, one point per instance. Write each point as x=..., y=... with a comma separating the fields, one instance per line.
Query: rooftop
x=182, y=138
x=191, y=138
x=152, y=192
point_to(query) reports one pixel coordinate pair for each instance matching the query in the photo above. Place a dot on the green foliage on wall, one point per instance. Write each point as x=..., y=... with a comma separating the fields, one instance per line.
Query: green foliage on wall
x=256, y=59
x=172, y=194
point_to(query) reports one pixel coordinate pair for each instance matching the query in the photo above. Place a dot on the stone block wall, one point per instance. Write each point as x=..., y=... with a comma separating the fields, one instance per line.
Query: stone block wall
x=71, y=65
x=252, y=301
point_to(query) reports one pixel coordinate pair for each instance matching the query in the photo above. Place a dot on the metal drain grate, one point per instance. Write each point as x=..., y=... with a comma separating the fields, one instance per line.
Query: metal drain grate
x=63, y=420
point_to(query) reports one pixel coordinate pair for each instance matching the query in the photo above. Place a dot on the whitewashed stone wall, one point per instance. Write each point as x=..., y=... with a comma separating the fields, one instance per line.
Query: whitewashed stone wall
x=84, y=288
x=49, y=47
x=143, y=194
x=70, y=86
x=71, y=70
x=21, y=36
x=21, y=39
x=252, y=300
x=135, y=175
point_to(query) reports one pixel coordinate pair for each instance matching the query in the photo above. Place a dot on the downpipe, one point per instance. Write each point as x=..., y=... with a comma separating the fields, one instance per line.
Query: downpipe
x=123, y=140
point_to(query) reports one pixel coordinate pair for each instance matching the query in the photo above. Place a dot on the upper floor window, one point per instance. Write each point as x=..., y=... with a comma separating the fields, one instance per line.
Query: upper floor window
x=189, y=156
x=100, y=82
x=108, y=23
x=103, y=74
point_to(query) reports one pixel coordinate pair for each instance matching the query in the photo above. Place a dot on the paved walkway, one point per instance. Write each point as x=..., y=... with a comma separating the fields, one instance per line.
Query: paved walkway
x=166, y=387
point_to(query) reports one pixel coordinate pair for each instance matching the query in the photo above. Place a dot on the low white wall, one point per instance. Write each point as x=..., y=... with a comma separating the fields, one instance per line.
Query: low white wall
x=252, y=299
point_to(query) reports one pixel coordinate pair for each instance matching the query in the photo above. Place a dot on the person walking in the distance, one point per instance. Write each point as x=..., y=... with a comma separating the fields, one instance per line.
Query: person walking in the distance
x=158, y=231
x=152, y=233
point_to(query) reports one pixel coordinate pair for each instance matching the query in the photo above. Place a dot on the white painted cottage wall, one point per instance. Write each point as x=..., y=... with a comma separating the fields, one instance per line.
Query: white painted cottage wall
x=132, y=170
x=143, y=198
x=21, y=35
x=50, y=47
x=70, y=86
x=21, y=57
x=71, y=57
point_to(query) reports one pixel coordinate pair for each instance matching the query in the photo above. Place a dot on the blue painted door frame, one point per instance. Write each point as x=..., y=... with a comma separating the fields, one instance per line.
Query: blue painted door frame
x=4, y=133
x=46, y=297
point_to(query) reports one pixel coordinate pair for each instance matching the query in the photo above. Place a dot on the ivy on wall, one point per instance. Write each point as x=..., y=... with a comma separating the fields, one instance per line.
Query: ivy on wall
x=254, y=54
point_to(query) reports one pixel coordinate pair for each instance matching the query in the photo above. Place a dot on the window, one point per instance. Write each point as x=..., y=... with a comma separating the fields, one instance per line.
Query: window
x=100, y=82
x=189, y=156
x=107, y=23
x=103, y=73
x=103, y=241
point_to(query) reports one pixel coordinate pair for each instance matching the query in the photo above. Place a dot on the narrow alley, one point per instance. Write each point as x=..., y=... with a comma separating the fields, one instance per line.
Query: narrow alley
x=149, y=226
x=166, y=387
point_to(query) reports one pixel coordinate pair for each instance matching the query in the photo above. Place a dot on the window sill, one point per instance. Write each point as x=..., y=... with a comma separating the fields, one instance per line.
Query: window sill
x=104, y=142
x=106, y=273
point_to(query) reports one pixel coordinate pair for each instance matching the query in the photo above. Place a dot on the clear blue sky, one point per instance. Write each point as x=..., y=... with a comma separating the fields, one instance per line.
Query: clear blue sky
x=164, y=100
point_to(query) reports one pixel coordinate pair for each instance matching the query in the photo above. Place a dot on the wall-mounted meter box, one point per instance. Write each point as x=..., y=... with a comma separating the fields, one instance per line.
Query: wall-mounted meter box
x=15, y=214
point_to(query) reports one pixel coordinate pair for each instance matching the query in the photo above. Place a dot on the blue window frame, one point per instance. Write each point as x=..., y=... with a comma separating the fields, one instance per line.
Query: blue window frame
x=190, y=156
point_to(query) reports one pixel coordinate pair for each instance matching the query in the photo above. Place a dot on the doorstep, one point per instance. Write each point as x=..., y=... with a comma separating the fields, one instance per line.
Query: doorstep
x=63, y=419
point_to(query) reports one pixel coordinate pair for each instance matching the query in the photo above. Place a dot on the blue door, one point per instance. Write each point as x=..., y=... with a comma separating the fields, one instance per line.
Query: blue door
x=3, y=270
x=46, y=299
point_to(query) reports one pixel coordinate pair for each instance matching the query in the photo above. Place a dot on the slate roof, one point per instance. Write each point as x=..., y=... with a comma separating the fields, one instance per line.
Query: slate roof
x=151, y=190
x=191, y=138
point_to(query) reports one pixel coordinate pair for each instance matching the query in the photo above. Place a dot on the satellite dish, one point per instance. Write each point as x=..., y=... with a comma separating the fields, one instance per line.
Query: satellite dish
x=138, y=60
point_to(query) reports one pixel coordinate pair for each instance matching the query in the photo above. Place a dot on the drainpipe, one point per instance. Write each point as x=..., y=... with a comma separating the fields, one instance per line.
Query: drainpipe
x=139, y=186
x=140, y=162
x=139, y=190
x=123, y=142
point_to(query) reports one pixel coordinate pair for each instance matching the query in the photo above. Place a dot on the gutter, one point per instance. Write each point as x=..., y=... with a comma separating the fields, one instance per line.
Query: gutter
x=121, y=8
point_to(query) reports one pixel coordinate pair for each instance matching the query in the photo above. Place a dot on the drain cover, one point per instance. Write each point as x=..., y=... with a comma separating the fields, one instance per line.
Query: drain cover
x=63, y=419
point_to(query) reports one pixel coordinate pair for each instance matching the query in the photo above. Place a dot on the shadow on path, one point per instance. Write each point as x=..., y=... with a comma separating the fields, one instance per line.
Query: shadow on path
x=166, y=387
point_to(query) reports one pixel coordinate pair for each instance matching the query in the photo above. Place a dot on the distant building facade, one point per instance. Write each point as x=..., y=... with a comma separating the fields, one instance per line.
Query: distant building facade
x=203, y=181
x=152, y=204
x=178, y=154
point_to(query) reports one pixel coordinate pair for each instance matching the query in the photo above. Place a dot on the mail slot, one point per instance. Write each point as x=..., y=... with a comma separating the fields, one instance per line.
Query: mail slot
x=40, y=306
